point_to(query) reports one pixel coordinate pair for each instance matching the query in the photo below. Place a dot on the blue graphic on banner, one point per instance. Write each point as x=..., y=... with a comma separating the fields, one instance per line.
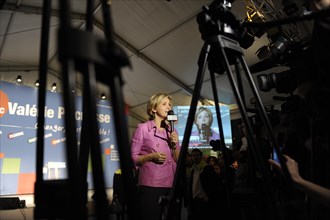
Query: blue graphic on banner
x=18, y=138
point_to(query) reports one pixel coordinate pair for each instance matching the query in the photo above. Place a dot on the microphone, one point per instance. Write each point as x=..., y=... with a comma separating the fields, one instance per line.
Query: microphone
x=171, y=117
x=202, y=133
x=205, y=133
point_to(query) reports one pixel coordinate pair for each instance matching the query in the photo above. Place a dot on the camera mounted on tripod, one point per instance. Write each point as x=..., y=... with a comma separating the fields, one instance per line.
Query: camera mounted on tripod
x=217, y=19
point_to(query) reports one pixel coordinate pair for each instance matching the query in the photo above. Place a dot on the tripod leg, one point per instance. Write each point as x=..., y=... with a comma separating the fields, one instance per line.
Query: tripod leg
x=126, y=163
x=265, y=119
x=90, y=139
x=258, y=100
x=115, y=82
x=239, y=79
x=91, y=131
x=222, y=139
x=170, y=210
x=39, y=200
x=267, y=184
x=75, y=188
x=42, y=88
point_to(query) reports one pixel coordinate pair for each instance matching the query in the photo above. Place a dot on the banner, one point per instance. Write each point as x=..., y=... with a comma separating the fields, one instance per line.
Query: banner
x=18, y=138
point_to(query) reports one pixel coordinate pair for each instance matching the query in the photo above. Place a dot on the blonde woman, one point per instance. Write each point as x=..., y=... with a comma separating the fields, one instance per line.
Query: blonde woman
x=155, y=151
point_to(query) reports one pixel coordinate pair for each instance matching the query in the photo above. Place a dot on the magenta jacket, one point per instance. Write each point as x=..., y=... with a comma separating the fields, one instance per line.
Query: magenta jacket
x=147, y=139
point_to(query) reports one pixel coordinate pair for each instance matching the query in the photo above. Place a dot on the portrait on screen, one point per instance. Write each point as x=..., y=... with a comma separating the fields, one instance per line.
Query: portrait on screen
x=205, y=127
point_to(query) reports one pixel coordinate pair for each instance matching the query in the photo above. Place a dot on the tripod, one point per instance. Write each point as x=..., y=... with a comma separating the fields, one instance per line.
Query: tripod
x=219, y=28
x=82, y=51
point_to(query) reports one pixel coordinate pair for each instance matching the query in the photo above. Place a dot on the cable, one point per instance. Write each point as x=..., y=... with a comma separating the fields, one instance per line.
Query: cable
x=23, y=213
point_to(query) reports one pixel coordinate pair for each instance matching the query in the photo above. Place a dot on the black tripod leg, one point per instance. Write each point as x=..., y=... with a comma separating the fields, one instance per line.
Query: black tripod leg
x=268, y=187
x=90, y=141
x=239, y=80
x=75, y=187
x=84, y=148
x=42, y=87
x=43, y=66
x=84, y=141
x=94, y=143
x=126, y=162
x=265, y=119
x=170, y=210
x=222, y=139
x=115, y=82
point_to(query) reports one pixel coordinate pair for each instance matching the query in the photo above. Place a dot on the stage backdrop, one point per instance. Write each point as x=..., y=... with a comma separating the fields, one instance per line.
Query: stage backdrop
x=18, y=138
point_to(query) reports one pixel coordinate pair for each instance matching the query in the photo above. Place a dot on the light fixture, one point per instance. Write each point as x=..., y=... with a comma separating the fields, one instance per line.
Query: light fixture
x=103, y=96
x=54, y=87
x=37, y=83
x=19, y=79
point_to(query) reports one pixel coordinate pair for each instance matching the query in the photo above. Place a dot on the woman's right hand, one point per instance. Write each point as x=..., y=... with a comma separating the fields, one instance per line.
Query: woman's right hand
x=158, y=157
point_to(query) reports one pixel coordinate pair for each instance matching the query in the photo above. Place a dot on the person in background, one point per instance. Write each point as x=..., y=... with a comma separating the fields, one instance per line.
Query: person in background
x=154, y=151
x=188, y=165
x=213, y=181
x=244, y=141
x=203, y=121
x=187, y=181
x=211, y=160
x=241, y=160
x=198, y=202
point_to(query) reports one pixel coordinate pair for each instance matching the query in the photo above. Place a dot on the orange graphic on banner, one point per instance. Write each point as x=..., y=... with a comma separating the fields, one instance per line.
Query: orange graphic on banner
x=3, y=103
x=107, y=151
x=26, y=183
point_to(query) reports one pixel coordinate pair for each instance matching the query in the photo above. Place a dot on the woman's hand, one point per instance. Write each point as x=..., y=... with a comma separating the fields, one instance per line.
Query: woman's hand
x=174, y=138
x=158, y=157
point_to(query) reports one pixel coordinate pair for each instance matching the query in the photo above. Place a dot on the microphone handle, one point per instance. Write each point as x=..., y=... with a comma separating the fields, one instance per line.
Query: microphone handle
x=172, y=130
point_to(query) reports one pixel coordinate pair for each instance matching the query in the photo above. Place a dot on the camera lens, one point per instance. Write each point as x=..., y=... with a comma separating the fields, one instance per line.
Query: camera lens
x=266, y=82
x=283, y=82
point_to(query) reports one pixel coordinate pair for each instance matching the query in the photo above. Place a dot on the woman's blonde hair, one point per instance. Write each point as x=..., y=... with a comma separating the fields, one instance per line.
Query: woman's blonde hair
x=154, y=102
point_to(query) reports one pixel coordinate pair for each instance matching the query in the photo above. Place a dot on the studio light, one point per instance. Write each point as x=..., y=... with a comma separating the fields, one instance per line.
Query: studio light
x=54, y=87
x=19, y=79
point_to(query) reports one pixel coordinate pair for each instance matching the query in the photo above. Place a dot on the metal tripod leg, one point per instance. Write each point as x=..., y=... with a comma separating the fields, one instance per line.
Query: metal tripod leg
x=115, y=84
x=227, y=46
x=219, y=46
x=54, y=199
x=170, y=210
x=66, y=199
